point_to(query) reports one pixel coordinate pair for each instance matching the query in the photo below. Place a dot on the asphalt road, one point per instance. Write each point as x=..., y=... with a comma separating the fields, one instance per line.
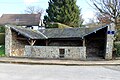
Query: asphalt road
x=55, y=72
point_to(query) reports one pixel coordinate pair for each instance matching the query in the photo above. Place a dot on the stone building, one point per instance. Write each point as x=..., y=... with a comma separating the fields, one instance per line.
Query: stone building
x=56, y=43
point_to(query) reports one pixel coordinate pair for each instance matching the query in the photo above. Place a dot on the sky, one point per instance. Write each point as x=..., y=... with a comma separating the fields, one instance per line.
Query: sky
x=18, y=7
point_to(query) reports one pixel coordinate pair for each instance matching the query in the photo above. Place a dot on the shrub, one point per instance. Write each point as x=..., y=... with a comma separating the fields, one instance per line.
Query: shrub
x=2, y=38
x=2, y=29
x=117, y=47
x=2, y=35
x=2, y=41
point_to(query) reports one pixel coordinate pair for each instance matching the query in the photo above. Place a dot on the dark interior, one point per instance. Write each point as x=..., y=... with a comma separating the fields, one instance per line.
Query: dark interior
x=59, y=42
x=96, y=44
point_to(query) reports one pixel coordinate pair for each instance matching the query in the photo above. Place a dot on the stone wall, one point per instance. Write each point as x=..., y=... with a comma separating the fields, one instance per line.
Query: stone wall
x=18, y=46
x=110, y=39
x=8, y=41
x=13, y=47
x=49, y=52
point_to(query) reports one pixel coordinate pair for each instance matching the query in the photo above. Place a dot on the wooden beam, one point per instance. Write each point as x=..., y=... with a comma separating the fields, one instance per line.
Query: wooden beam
x=84, y=42
x=47, y=42
x=32, y=42
x=21, y=38
x=97, y=38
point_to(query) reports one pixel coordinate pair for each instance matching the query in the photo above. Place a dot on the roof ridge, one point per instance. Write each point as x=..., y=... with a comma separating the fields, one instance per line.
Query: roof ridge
x=43, y=34
x=96, y=29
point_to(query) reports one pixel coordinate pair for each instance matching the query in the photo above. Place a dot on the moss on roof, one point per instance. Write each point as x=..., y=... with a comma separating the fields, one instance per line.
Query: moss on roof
x=57, y=25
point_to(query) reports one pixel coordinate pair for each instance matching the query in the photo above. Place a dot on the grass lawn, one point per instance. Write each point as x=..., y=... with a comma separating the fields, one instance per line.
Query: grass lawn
x=2, y=50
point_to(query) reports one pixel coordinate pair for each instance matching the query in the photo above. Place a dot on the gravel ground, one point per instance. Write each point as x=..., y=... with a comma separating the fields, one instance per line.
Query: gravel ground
x=55, y=72
x=116, y=68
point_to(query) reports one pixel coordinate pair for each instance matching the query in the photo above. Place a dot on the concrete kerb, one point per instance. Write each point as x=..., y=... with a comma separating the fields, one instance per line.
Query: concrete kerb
x=59, y=62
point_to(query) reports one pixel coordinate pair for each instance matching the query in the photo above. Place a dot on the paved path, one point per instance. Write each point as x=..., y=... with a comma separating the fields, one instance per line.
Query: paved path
x=58, y=62
x=57, y=72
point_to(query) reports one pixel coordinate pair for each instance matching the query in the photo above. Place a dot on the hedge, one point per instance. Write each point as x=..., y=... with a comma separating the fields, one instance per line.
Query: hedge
x=2, y=38
x=2, y=35
x=117, y=47
x=2, y=29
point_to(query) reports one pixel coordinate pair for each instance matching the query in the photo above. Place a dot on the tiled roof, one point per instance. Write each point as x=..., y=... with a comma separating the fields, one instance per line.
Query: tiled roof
x=56, y=32
x=28, y=33
x=20, y=19
x=69, y=32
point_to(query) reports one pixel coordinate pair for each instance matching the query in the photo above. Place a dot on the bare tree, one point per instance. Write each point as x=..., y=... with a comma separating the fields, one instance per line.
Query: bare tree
x=107, y=8
x=34, y=10
x=104, y=18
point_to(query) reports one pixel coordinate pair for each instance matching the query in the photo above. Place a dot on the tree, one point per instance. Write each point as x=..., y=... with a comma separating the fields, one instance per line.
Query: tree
x=104, y=18
x=81, y=20
x=63, y=11
x=34, y=10
x=109, y=9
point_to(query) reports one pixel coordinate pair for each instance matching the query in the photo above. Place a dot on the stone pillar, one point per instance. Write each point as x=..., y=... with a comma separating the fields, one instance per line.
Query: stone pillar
x=109, y=43
x=83, y=55
x=8, y=41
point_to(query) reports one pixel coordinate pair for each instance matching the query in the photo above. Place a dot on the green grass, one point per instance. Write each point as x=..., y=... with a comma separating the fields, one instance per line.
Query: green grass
x=2, y=50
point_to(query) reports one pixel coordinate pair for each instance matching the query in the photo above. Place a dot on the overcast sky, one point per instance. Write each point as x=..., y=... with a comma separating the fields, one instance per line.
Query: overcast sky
x=18, y=6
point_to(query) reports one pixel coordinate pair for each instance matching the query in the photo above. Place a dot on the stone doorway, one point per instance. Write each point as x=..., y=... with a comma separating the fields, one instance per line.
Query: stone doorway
x=95, y=50
x=61, y=53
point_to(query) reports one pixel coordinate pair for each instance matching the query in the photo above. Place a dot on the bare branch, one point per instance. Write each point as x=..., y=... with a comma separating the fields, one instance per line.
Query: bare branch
x=30, y=10
x=34, y=10
x=110, y=8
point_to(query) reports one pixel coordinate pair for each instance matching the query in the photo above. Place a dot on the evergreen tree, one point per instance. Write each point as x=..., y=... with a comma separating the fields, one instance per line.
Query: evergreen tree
x=63, y=11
